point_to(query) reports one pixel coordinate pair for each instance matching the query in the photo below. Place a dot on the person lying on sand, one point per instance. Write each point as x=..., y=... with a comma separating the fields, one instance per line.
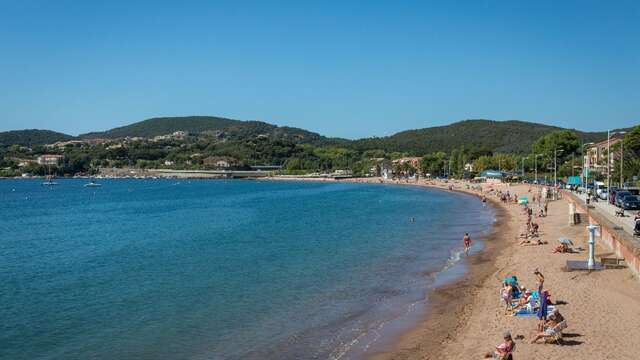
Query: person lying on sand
x=504, y=350
x=562, y=248
x=527, y=242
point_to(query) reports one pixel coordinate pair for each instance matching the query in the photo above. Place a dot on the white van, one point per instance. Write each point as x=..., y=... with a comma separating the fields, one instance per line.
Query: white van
x=601, y=190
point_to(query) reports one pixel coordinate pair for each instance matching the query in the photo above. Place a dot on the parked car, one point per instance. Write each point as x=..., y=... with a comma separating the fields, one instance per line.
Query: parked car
x=633, y=191
x=620, y=194
x=603, y=193
x=600, y=188
x=631, y=202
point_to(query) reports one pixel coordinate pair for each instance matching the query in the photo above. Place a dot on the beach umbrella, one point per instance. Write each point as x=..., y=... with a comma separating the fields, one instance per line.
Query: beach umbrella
x=564, y=240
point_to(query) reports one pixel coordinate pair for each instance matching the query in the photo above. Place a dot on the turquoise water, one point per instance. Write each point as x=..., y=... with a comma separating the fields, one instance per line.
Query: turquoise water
x=165, y=269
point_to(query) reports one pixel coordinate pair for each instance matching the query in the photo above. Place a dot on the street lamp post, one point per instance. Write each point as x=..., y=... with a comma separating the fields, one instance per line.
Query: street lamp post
x=555, y=166
x=621, y=162
x=585, y=169
x=610, y=158
x=535, y=165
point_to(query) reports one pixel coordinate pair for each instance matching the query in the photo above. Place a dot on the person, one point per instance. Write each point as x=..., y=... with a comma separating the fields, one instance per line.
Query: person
x=542, y=311
x=507, y=291
x=562, y=248
x=467, y=242
x=524, y=299
x=504, y=350
x=549, y=327
x=539, y=279
x=534, y=229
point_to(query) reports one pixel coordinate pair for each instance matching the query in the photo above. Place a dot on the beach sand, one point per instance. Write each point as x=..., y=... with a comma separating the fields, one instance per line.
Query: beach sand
x=466, y=319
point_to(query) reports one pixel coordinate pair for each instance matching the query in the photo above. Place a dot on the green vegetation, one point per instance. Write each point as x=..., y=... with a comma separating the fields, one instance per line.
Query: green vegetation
x=202, y=124
x=32, y=137
x=462, y=149
x=498, y=136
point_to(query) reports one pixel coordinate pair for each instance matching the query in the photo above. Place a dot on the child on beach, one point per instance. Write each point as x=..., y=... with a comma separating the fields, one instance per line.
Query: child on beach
x=504, y=350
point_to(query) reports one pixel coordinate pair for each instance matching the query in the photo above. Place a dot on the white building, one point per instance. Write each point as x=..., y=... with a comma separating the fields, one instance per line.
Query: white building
x=50, y=159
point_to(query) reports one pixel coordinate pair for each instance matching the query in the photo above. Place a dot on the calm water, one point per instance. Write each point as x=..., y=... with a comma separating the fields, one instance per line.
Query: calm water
x=161, y=269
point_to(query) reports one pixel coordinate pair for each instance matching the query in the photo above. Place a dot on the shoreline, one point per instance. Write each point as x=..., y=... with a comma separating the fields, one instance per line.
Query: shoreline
x=467, y=319
x=447, y=304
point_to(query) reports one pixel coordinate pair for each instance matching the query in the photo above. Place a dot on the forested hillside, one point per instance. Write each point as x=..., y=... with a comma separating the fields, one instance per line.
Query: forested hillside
x=32, y=137
x=497, y=136
x=199, y=124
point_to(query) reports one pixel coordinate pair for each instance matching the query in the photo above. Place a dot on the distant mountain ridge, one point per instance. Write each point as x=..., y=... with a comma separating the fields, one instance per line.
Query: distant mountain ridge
x=32, y=137
x=199, y=124
x=511, y=136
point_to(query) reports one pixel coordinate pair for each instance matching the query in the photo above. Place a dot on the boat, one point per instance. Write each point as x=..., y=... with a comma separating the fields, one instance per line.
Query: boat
x=92, y=184
x=49, y=181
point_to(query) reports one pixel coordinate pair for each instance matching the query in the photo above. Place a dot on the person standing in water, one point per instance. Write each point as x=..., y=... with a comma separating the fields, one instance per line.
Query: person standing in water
x=467, y=242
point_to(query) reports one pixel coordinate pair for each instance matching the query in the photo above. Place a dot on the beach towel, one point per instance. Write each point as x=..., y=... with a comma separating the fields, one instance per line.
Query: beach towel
x=528, y=312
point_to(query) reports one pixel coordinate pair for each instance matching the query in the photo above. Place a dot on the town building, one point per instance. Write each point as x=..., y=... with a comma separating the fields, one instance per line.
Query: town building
x=218, y=162
x=413, y=161
x=595, y=157
x=50, y=159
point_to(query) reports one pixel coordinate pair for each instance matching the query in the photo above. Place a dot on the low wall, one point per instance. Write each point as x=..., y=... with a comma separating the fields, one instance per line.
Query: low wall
x=612, y=236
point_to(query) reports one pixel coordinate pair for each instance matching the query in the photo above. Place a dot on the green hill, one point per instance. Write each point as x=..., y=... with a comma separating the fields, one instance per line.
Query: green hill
x=199, y=124
x=511, y=136
x=32, y=137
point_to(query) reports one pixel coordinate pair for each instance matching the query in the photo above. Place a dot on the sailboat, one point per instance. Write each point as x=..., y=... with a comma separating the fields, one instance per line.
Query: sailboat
x=92, y=184
x=49, y=181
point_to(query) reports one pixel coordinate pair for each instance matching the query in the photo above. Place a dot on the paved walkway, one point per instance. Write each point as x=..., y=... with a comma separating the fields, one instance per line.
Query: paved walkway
x=609, y=212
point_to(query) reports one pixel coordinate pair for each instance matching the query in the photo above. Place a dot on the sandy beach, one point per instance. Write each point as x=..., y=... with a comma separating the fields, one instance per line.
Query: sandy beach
x=465, y=319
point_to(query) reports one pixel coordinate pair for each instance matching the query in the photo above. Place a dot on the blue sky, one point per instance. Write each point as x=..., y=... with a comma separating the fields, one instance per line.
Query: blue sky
x=348, y=69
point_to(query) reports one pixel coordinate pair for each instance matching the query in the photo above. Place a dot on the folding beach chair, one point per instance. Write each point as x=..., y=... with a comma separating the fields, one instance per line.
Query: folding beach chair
x=556, y=334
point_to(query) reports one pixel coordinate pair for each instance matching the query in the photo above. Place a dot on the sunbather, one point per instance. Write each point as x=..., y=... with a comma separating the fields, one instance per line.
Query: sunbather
x=503, y=351
x=528, y=242
x=562, y=248
x=550, y=326
x=524, y=299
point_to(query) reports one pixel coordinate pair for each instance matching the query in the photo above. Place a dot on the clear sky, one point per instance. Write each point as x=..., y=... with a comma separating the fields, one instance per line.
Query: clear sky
x=340, y=68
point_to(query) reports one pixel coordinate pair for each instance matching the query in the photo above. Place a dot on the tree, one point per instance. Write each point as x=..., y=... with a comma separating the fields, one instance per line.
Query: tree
x=432, y=164
x=565, y=142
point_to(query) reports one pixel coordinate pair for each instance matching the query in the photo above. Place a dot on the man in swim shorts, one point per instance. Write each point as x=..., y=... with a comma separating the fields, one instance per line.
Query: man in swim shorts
x=467, y=242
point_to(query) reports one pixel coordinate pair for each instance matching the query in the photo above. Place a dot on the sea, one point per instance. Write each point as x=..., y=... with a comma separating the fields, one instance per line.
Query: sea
x=222, y=269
